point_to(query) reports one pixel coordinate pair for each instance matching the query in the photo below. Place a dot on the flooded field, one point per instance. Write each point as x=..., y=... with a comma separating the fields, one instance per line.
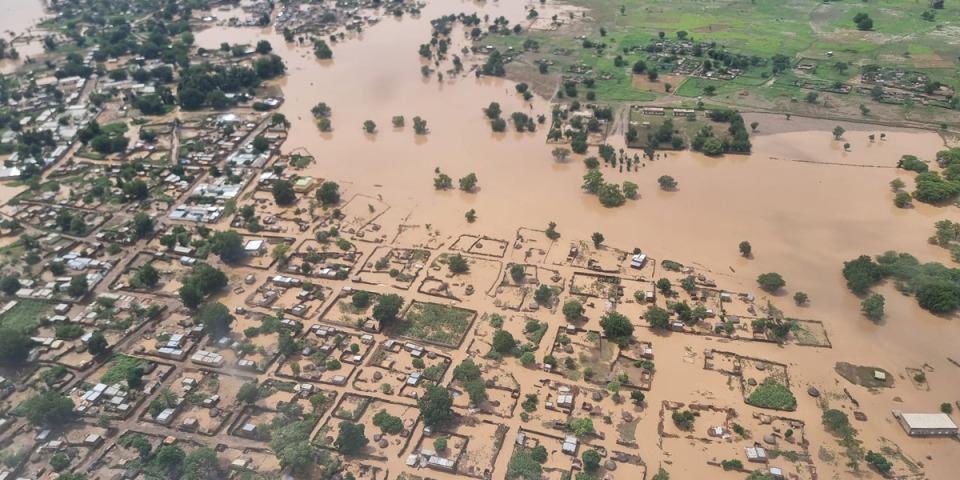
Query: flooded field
x=804, y=202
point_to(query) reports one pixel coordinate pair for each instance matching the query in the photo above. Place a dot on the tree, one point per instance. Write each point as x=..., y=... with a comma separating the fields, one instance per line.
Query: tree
x=458, y=264
x=879, y=462
x=746, y=250
x=593, y=181
x=771, y=281
x=142, y=225
x=581, y=427
x=838, y=132
x=476, y=390
x=683, y=419
x=229, y=245
x=136, y=189
x=328, y=193
x=617, y=327
x=442, y=181
x=861, y=273
x=837, y=422
x=170, y=457
x=387, y=308
x=291, y=444
x=15, y=345
x=321, y=50
x=667, y=182
x=350, y=439
x=466, y=371
x=658, y=317
x=97, y=344
x=260, y=144
x=202, y=464
x=664, y=286
x=249, y=392
x=560, y=154
x=78, y=286
x=435, y=406
x=503, y=342
x=591, y=460
x=9, y=284
x=471, y=215
x=551, y=231
x=543, y=295
x=492, y=111
x=387, y=423
x=361, y=300
x=135, y=378
x=283, y=193
x=902, y=200
x=597, y=238
x=420, y=126
x=939, y=296
x=872, y=306
x=863, y=21
x=630, y=189
x=518, y=273
x=800, y=298
x=215, y=318
x=637, y=396
x=48, y=408
x=469, y=182
x=369, y=126
x=572, y=310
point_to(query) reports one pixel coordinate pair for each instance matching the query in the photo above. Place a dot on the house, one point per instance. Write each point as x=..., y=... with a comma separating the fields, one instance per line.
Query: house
x=926, y=424
x=570, y=445
x=756, y=454
x=254, y=247
x=440, y=463
x=638, y=260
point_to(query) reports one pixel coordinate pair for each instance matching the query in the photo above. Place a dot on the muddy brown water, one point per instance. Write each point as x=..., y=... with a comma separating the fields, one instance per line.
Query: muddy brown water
x=804, y=203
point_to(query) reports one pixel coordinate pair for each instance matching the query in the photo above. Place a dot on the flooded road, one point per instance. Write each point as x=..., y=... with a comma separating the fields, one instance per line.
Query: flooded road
x=803, y=201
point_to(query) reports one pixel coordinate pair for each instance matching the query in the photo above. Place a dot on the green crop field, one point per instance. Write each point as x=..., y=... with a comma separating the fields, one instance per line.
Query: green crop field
x=906, y=36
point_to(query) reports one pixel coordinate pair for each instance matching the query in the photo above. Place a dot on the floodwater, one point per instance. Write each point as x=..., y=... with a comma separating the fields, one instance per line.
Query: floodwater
x=804, y=203
x=17, y=18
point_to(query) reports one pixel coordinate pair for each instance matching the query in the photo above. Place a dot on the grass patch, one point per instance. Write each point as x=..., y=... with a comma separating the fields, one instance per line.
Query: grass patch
x=25, y=315
x=435, y=323
x=120, y=368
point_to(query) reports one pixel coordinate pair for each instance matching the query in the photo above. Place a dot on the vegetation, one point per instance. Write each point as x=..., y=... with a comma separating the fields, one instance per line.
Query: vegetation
x=771, y=282
x=936, y=287
x=772, y=394
x=683, y=419
x=435, y=406
x=617, y=327
x=872, y=306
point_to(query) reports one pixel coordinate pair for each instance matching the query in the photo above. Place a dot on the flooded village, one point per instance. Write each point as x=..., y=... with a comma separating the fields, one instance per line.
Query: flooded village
x=365, y=239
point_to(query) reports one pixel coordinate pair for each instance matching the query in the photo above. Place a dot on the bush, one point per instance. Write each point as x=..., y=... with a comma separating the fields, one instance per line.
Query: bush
x=872, y=306
x=387, y=423
x=879, y=462
x=683, y=419
x=771, y=282
x=731, y=464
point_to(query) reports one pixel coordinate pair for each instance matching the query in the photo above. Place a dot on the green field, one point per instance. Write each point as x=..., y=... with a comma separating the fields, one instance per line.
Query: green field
x=25, y=315
x=822, y=34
